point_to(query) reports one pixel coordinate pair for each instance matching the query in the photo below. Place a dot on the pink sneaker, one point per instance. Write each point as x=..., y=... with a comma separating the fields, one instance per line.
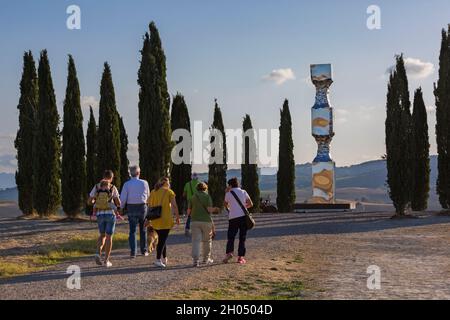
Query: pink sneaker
x=227, y=258
x=241, y=260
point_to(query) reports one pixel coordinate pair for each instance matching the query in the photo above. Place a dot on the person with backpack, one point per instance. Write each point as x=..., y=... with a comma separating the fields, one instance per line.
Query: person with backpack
x=237, y=201
x=190, y=188
x=200, y=209
x=134, y=196
x=106, y=200
x=161, y=203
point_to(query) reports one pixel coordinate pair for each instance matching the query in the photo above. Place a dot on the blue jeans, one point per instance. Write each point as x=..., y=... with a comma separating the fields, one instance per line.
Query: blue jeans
x=235, y=225
x=106, y=223
x=136, y=217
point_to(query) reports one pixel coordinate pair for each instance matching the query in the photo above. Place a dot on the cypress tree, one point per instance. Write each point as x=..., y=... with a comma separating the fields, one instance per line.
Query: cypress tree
x=286, y=163
x=249, y=168
x=92, y=173
x=24, y=139
x=421, y=154
x=180, y=173
x=399, y=139
x=108, y=136
x=124, y=163
x=46, y=145
x=157, y=52
x=73, y=174
x=217, y=174
x=442, y=96
x=155, y=143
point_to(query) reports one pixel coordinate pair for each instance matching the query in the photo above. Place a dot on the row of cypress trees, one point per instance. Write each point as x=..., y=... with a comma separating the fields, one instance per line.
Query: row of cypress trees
x=157, y=121
x=53, y=173
x=407, y=141
x=407, y=145
x=54, y=168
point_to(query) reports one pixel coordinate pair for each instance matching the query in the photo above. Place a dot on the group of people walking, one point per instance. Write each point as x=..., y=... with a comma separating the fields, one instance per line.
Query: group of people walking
x=137, y=198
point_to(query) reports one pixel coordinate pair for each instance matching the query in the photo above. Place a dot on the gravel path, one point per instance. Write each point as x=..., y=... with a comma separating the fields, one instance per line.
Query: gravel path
x=328, y=252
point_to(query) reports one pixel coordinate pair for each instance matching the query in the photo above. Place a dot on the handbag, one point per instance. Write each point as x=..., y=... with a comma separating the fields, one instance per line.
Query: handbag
x=249, y=221
x=154, y=213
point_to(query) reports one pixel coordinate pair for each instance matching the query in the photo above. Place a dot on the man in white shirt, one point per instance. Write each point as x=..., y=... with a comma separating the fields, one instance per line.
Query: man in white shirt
x=236, y=200
x=135, y=193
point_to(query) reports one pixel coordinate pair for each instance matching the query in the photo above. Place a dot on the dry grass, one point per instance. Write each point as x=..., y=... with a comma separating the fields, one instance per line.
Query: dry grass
x=78, y=246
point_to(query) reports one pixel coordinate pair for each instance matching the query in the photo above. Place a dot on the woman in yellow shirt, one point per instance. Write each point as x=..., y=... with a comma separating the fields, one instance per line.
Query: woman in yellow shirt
x=163, y=196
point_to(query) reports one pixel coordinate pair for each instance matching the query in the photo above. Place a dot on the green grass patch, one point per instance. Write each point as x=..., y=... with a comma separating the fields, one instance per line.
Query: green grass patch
x=253, y=290
x=10, y=269
x=77, y=247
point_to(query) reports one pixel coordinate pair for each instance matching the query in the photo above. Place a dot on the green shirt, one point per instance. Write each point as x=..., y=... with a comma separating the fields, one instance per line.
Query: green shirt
x=198, y=206
x=190, y=188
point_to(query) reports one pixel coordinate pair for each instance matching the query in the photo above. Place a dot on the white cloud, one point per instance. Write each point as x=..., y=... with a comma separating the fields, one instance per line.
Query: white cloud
x=280, y=76
x=87, y=101
x=341, y=115
x=415, y=68
x=431, y=109
x=8, y=136
x=8, y=163
x=133, y=153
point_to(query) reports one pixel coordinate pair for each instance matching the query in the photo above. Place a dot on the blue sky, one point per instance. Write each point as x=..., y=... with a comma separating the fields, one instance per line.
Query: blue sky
x=225, y=50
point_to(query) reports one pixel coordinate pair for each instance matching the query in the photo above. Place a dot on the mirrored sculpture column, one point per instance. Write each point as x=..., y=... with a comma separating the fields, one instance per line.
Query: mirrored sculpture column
x=323, y=167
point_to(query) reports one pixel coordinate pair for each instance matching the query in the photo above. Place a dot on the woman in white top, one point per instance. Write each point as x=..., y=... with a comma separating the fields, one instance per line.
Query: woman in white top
x=235, y=199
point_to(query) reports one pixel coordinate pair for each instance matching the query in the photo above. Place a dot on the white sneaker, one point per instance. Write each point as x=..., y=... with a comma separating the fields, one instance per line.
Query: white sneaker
x=146, y=254
x=160, y=264
x=209, y=261
x=108, y=264
x=98, y=260
x=165, y=261
x=196, y=264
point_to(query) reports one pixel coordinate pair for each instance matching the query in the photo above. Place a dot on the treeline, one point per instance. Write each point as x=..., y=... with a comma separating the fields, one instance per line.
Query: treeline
x=58, y=168
x=54, y=169
x=407, y=140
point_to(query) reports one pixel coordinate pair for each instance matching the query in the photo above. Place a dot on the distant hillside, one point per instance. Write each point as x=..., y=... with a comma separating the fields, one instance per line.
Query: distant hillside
x=7, y=180
x=363, y=182
x=8, y=194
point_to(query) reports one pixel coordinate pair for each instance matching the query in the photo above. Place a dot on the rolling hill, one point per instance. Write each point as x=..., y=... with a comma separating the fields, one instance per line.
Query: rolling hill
x=362, y=182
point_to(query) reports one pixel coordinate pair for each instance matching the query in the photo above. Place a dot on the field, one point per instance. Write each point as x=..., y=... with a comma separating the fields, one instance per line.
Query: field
x=290, y=256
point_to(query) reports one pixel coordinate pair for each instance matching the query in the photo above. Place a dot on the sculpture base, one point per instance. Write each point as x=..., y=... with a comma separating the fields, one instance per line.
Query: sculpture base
x=324, y=207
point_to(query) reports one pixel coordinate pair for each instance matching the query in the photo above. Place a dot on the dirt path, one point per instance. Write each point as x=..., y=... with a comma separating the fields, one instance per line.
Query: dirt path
x=308, y=256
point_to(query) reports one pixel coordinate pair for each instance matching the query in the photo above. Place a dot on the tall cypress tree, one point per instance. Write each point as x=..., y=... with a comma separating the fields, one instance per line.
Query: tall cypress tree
x=399, y=139
x=92, y=174
x=421, y=154
x=286, y=163
x=442, y=95
x=157, y=52
x=124, y=163
x=108, y=136
x=24, y=139
x=249, y=168
x=180, y=173
x=217, y=174
x=155, y=143
x=73, y=174
x=46, y=145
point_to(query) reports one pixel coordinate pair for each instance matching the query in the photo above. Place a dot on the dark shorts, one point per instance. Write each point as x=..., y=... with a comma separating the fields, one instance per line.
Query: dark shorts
x=106, y=223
